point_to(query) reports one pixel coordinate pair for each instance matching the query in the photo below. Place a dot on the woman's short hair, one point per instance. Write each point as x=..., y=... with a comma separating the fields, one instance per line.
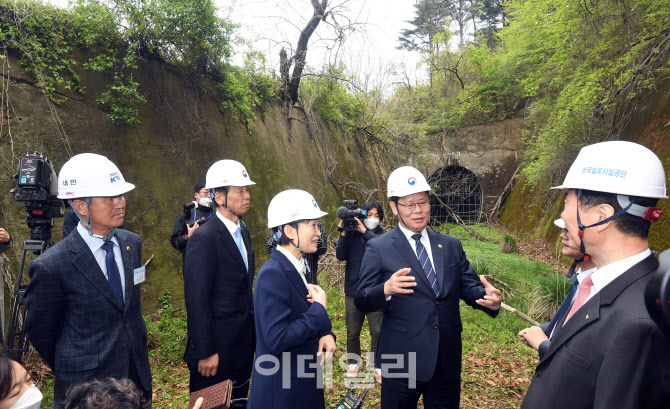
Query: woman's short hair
x=107, y=393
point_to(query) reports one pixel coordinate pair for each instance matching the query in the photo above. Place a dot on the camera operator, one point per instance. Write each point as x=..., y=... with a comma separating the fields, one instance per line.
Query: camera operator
x=351, y=248
x=183, y=228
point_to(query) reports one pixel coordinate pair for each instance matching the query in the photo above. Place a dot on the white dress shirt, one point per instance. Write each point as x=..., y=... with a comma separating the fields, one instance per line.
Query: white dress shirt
x=95, y=245
x=298, y=264
x=605, y=275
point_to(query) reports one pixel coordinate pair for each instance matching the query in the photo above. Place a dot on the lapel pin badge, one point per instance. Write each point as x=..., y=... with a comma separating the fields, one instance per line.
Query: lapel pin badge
x=587, y=316
x=128, y=248
x=439, y=245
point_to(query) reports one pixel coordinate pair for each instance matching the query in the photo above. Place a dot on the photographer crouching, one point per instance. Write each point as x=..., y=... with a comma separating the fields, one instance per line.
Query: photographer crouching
x=194, y=214
x=354, y=235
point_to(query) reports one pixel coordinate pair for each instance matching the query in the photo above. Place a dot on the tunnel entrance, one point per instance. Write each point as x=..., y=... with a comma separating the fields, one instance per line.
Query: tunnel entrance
x=458, y=188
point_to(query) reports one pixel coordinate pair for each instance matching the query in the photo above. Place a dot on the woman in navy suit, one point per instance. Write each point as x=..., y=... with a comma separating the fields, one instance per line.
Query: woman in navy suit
x=293, y=330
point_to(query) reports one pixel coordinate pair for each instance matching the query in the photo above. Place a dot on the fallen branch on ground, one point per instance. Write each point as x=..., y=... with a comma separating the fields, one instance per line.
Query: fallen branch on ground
x=519, y=314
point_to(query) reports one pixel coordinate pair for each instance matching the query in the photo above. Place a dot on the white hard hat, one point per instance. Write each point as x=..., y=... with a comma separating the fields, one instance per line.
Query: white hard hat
x=227, y=172
x=292, y=205
x=406, y=181
x=619, y=167
x=91, y=175
x=560, y=223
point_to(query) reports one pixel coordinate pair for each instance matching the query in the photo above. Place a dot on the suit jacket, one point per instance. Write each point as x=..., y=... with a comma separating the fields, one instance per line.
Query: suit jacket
x=288, y=328
x=419, y=322
x=610, y=354
x=74, y=320
x=217, y=292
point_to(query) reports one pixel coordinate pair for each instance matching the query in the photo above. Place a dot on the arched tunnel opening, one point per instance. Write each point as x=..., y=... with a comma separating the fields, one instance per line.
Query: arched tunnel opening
x=458, y=188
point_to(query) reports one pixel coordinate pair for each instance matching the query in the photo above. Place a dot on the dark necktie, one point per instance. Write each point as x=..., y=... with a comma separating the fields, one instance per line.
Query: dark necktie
x=113, y=274
x=426, y=265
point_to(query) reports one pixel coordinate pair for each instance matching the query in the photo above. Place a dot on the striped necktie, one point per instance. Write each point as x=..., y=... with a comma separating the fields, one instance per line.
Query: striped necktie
x=426, y=265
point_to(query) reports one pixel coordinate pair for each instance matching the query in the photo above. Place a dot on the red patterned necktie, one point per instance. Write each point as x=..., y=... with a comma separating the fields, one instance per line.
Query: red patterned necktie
x=582, y=295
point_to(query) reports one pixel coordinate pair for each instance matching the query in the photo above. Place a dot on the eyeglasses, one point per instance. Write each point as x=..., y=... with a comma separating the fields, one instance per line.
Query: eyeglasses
x=412, y=206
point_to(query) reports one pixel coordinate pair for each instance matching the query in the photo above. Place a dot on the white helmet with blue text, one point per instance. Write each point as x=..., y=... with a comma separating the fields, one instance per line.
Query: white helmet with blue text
x=91, y=175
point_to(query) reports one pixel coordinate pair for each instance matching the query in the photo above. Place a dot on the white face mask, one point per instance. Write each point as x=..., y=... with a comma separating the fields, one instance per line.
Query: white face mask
x=371, y=223
x=204, y=201
x=31, y=399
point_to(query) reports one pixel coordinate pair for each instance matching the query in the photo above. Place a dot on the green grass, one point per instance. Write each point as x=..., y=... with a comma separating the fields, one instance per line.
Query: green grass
x=496, y=367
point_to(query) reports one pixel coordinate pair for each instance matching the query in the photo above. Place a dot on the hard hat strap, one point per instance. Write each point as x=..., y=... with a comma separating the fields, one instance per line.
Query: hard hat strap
x=297, y=246
x=573, y=267
x=225, y=204
x=87, y=223
x=582, y=227
x=647, y=213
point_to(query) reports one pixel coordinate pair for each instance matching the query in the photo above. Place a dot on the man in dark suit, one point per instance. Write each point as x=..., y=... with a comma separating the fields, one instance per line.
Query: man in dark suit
x=218, y=278
x=607, y=352
x=417, y=276
x=83, y=307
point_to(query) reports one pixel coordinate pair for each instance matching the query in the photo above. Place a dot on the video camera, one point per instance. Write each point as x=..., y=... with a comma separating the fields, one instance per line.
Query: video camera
x=37, y=187
x=188, y=207
x=657, y=293
x=349, y=213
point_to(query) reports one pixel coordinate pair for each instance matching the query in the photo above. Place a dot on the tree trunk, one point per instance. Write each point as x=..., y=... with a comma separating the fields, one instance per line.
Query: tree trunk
x=284, y=66
x=301, y=51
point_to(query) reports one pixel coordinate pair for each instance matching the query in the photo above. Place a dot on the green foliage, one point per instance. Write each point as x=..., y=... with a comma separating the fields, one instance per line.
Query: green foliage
x=187, y=34
x=240, y=90
x=326, y=95
x=582, y=64
x=166, y=331
x=508, y=244
x=573, y=70
x=42, y=35
x=122, y=99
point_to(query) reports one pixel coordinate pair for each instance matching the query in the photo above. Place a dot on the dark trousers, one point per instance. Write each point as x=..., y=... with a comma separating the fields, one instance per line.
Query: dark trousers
x=438, y=393
x=134, y=376
x=355, y=319
x=240, y=378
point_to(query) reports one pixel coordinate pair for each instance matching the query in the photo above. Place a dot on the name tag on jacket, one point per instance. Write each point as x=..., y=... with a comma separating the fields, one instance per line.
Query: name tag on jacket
x=139, y=275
